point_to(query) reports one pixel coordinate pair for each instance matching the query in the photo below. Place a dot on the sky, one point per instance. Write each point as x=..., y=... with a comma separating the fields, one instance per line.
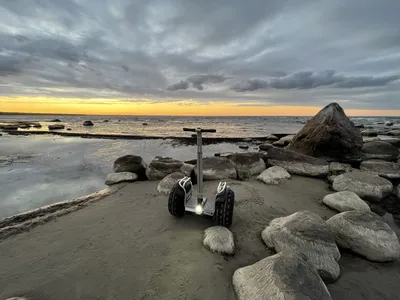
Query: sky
x=191, y=57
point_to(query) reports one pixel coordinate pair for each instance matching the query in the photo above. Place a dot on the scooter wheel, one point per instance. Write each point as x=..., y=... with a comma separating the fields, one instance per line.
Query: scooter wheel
x=224, y=209
x=176, y=201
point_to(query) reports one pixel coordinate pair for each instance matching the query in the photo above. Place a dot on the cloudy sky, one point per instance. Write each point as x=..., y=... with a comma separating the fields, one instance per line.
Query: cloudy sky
x=255, y=52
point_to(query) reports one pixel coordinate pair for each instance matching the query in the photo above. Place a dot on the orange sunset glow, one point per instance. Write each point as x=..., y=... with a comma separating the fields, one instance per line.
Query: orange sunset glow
x=173, y=108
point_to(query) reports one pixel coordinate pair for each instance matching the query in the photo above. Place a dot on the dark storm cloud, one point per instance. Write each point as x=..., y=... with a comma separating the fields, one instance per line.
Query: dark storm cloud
x=197, y=82
x=277, y=52
x=310, y=80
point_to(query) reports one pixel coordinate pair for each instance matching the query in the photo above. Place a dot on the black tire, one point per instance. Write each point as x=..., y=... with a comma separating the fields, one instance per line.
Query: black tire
x=176, y=201
x=224, y=209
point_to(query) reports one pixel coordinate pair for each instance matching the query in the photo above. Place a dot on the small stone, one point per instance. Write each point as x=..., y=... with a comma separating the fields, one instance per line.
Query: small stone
x=219, y=239
x=114, y=178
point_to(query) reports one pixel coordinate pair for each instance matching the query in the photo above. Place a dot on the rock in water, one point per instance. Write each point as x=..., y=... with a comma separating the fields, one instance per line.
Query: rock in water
x=265, y=147
x=365, y=233
x=345, y=201
x=305, y=232
x=274, y=175
x=380, y=150
x=394, y=132
x=88, y=123
x=283, y=276
x=366, y=185
x=187, y=169
x=215, y=168
x=296, y=163
x=160, y=167
x=286, y=140
x=166, y=184
x=329, y=135
x=131, y=163
x=56, y=126
x=369, y=132
x=219, y=239
x=114, y=178
x=272, y=138
x=247, y=164
x=386, y=169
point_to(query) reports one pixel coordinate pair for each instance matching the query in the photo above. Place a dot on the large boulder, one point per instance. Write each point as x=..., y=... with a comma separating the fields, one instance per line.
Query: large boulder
x=296, y=163
x=219, y=239
x=305, y=232
x=365, y=233
x=386, y=169
x=283, y=276
x=131, y=163
x=166, y=184
x=367, y=185
x=345, y=201
x=379, y=150
x=329, y=135
x=160, y=167
x=393, y=141
x=284, y=141
x=274, y=175
x=114, y=178
x=247, y=164
x=216, y=168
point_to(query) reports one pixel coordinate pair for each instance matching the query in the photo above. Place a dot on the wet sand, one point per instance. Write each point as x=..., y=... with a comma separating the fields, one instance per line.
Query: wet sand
x=127, y=246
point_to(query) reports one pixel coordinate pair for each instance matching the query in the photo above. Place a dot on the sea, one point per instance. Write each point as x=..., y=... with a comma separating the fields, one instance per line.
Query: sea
x=236, y=126
x=37, y=170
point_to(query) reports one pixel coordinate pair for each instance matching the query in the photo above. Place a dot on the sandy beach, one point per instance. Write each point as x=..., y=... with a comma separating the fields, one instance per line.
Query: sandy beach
x=127, y=246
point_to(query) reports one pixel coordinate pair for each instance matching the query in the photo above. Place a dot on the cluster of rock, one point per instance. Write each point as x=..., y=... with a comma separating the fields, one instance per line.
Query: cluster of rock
x=307, y=252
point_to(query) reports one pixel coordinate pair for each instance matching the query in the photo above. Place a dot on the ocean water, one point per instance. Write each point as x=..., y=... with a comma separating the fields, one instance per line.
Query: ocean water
x=172, y=125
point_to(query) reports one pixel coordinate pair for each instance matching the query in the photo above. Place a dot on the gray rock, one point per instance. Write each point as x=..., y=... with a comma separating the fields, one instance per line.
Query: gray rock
x=367, y=139
x=286, y=140
x=187, y=169
x=131, y=163
x=369, y=132
x=160, y=167
x=219, y=239
x=365, y=233
x=265, y=147
x=386, y=169
x=283, y=276
x=393, y=141
x=367, y=185
x=245, y=147
x=388, y=123
x=306, y=233
x=296, y=163
x=114, y=178
x=331, y=178
x=379, y=150
x=272, y=138
x=56, y=126
x=329, y=135
x=345, y=201
x=88, y=123
x=216, y=168
x=394, y=132
x=166, y=184
x=336, y=168
x=274, y=175
x=247, y=164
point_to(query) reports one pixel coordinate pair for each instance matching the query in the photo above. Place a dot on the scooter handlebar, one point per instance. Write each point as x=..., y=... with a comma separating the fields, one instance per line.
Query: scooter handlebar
x=199, y=129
